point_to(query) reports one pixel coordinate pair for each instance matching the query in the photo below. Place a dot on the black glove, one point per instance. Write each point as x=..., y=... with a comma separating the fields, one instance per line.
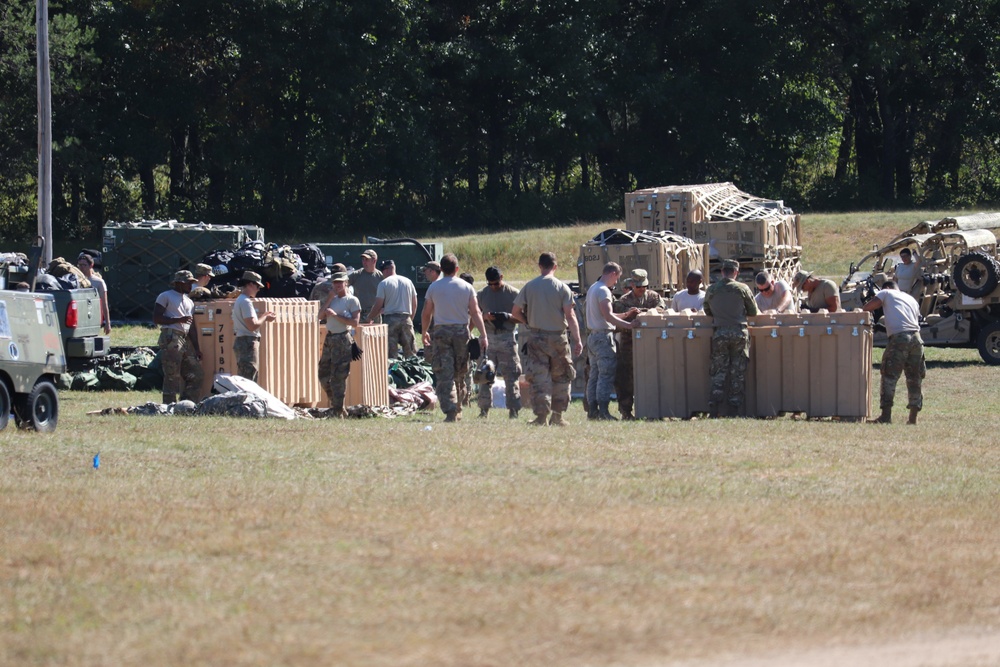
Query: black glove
x=474, y=349
x=356, y=351
x=499, y=319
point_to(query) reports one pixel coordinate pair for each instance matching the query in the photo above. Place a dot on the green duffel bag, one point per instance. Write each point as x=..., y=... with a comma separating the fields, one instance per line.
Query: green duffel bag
x=116, y=380
x=86, y=381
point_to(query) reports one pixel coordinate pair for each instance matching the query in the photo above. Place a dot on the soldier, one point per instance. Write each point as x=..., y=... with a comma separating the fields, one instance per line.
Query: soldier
x=342, y=313
x=432, y=271
x=907, y=274
x=692, y=298
x=601, y=323
x=364, y=282
x=203, y=274
x=820, y=292
x=496, y=300
x=180, y=356
x=85, y=262
x=773, y=296
x=451, y=303
x=729, y=302
x=246, y=326
x=322, y=290
x=629, y=306
x=396, y=302
x=545, y=305
x=904, y=352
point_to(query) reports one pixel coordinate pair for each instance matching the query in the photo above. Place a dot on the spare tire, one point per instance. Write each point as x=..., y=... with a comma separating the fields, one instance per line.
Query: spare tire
x=976, y=274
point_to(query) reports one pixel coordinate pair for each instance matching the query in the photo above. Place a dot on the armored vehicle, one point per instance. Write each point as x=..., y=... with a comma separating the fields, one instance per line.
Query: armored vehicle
x=31, y=357
x=958, y=287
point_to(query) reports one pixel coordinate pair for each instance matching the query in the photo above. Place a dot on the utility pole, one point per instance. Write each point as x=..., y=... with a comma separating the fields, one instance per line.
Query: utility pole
x=44, y=128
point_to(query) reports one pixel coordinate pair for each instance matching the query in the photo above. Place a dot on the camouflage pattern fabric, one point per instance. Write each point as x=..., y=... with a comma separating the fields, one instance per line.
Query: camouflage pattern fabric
x=624, y=372
x=503, y=352
x=400, y=334
x=728, y=365
x=904, y=354
x=182, y=373
x=450, y=362
x=246, y=350
x=335, y=367
x=233, y=404
x=548, y=368
x=601, y=352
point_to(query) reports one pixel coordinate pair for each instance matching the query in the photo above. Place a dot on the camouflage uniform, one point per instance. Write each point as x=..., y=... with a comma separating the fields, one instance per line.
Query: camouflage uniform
x=624, y=372
x=182, y=373
x=400, y=334
x=450, y=363
x=246, y=349
x=729, y=302
x=503, y=352
x=548, y=368
x=904, y=354
x=335, y=367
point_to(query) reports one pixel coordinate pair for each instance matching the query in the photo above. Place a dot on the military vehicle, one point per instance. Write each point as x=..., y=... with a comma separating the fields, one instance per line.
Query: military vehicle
x=31, y=357
x=959, y=286
x=79, y=310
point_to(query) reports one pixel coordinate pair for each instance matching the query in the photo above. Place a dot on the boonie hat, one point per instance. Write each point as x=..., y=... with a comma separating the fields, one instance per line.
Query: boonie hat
x=184, y=277
x=640, y=278
x=252, y=277
x=339, y=278
x=370, y=254
x=731, y=264
x=203, y=270
x=800, y=278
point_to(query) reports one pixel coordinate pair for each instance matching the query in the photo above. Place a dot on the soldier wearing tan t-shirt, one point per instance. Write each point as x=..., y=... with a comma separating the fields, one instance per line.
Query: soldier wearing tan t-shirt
x=545, y=306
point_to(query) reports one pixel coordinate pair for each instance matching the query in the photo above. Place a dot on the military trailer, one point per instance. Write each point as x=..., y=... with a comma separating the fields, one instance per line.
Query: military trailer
x=31, y=358
x=959, y=285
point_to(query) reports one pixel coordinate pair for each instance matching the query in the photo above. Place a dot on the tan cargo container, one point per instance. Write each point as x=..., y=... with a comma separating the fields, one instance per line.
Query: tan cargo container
x=290, y=348
x=667, y=262
x=816, y=364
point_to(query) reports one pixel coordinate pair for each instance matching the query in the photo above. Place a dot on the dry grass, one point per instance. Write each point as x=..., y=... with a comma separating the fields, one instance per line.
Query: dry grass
x=379, y=542
x=219, y=541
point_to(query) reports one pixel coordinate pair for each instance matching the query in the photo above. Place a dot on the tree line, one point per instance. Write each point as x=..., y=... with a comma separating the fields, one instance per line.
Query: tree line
x=315, y=118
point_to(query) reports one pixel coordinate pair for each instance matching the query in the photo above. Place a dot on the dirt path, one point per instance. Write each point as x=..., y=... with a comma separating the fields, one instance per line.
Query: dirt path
x=968, y=650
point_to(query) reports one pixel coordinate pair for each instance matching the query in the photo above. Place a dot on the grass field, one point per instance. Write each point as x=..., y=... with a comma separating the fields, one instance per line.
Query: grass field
x=412, y=542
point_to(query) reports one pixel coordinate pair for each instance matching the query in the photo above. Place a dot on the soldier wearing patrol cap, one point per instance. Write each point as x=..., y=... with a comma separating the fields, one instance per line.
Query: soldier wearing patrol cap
x=639, y=300
x=203, y=274
x=364, y=282
x=729, y=302
x=342, y=313
x=246, y=326
x=179, y=353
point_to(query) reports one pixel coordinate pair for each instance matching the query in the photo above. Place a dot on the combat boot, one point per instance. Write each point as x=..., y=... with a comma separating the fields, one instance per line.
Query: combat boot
x=538, y=421
x=592, y=411
x=169, y=398
x=913, y=416
x=603, y=414
x=452, y=416
x=555, y=419
x=627, y=416
x=512, y=413
x=484, y=413
x=885, y=417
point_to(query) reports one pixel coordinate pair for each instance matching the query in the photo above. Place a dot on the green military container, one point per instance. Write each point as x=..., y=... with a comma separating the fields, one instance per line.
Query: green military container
x=140, y=258
x=409, y=256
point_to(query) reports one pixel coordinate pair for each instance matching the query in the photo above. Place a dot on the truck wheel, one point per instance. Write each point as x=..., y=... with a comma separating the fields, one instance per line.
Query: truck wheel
x=39, y=409
x=976, y=274
x=4, y=406
x=989, y=343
